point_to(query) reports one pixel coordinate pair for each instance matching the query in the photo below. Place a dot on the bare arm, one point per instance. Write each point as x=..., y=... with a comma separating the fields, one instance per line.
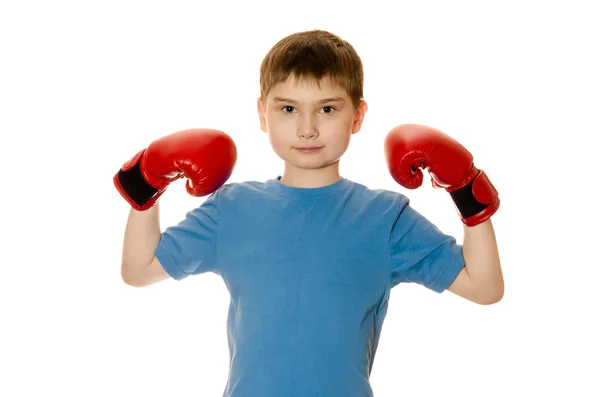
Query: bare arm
x=139, y=266
x=481, y=279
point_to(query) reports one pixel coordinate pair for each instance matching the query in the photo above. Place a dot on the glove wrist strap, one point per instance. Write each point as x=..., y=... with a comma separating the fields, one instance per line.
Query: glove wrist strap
x=477, y=200
x=132, y=185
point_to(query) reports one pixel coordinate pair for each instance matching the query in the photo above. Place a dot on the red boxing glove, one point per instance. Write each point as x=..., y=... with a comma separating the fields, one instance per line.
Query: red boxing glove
x=205, y=156
x=410, y=147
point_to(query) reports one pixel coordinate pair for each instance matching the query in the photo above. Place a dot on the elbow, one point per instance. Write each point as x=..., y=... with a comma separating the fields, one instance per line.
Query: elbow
x=489, y=301
x=130, y=279
x=491, y=297
x=132, y=283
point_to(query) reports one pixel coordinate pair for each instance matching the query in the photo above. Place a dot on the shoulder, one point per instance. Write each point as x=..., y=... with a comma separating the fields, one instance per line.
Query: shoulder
x=233, y=191
x=242, y=187
x=379, y=196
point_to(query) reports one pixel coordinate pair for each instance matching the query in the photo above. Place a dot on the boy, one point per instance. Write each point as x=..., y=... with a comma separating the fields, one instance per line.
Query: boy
x=309, y=258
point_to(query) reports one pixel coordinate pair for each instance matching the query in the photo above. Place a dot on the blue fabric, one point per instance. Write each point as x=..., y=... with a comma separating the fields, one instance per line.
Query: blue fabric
x=309, y=272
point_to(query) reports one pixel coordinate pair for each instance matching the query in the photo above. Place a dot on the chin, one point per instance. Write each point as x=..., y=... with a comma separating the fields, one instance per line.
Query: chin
x=313, y=165
x=309, y=164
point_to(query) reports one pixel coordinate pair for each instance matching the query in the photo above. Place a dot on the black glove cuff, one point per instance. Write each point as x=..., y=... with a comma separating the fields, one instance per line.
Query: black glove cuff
x=465, y=201
x=135, y=185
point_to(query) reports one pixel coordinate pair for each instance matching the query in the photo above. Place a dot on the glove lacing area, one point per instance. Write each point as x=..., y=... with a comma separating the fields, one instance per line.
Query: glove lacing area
x=135, y=185
x=477, y=200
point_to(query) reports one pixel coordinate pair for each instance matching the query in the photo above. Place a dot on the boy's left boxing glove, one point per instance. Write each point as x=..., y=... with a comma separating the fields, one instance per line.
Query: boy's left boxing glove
x=205, y=156
x=410, y=147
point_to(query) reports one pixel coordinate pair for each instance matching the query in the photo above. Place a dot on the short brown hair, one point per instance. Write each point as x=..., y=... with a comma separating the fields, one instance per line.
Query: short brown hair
x=313, y=55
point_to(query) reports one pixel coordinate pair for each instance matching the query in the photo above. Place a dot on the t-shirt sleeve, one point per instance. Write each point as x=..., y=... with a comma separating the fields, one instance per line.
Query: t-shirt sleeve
x=420, y=253
x=190, y=247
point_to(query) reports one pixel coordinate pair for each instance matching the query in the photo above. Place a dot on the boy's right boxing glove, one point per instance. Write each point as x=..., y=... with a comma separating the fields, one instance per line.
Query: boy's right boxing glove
x=205, y=156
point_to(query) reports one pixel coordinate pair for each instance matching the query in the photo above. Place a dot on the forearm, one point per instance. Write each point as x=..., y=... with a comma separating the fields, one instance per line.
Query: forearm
x=142, y=234
x=482, y=260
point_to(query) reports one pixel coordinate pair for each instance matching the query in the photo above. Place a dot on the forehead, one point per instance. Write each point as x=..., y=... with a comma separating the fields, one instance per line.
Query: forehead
x=307, y=86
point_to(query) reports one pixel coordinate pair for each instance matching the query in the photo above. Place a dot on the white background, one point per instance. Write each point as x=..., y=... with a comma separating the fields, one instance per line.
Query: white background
x=85, y=85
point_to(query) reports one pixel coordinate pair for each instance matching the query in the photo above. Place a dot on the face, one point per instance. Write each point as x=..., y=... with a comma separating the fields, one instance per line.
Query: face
x=309, y=126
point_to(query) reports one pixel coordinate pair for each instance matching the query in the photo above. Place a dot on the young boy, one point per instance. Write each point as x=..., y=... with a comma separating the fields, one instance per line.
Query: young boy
x=309, y=257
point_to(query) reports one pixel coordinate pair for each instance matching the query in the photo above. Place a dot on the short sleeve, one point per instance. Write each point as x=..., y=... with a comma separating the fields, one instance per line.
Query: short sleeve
x=190, y=247
x=420, y=253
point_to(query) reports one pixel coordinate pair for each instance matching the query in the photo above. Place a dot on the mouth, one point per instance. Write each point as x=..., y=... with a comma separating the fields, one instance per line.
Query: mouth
x=308, y=149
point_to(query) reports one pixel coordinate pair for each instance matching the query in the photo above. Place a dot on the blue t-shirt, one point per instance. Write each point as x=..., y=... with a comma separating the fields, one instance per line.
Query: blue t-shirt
x=309, y=272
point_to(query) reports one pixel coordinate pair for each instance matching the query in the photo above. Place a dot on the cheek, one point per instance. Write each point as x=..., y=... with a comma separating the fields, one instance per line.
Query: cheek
x=345, y=141
x=277, y=138
x=277, y=123
x=281, y=127
x=342, y=129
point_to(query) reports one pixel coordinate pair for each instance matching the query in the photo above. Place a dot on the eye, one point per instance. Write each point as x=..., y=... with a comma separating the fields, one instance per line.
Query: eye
x=329, y=107
x=286, y=108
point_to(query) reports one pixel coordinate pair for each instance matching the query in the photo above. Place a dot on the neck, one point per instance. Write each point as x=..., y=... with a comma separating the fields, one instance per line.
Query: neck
x=311, y=178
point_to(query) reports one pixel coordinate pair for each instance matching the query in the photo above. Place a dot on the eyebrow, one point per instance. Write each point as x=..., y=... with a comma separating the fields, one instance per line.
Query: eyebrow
x=334, y=99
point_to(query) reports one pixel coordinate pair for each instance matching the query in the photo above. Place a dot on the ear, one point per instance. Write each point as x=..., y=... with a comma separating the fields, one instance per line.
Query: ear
x=261, y=115
x=359, y=116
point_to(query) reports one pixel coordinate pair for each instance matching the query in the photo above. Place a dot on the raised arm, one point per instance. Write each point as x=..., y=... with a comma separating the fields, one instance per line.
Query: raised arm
x=139, y=266
x=205, y=156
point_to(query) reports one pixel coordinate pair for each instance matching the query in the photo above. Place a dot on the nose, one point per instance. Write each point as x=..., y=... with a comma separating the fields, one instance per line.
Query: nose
x=307, y=129
x=308, y=135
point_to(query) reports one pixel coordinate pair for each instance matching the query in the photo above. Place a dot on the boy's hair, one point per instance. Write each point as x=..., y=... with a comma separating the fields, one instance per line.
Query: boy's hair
x=313, y=55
